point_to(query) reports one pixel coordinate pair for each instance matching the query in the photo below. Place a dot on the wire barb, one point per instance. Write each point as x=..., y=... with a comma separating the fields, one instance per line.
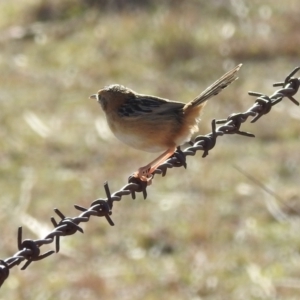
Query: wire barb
x=30, y=250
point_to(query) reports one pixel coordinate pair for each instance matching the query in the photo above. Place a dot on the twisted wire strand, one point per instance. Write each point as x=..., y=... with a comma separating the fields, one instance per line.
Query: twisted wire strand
x=29, y=250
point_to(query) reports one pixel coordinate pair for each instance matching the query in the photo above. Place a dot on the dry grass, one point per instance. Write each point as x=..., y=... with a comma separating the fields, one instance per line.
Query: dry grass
x=204, y=233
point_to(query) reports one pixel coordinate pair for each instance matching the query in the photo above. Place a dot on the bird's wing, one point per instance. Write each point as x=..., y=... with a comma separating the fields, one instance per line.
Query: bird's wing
x=143, y=105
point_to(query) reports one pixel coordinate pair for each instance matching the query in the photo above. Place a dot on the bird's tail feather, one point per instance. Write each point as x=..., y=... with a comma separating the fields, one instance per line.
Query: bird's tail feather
x=216, y=87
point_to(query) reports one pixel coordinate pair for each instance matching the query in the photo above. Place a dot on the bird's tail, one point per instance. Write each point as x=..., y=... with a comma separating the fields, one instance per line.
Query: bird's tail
x=215, y=88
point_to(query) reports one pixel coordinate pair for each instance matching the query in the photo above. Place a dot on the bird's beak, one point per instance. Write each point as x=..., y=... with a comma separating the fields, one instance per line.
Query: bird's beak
x=95, y=96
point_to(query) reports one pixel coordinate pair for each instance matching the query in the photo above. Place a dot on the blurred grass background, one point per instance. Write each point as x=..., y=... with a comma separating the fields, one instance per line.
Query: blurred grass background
x=203, y=233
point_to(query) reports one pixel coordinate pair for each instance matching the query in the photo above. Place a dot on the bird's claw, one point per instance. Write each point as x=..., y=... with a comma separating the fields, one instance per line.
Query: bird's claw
x=144, y=175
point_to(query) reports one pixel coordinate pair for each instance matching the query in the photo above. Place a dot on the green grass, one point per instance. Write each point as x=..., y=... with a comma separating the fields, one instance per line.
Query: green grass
x=203, y=233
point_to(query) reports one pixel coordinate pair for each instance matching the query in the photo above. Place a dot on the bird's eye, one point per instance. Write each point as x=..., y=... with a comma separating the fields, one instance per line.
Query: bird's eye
x=102, y=102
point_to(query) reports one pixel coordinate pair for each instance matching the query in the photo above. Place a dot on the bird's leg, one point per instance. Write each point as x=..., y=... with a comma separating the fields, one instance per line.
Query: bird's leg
x=144, y=172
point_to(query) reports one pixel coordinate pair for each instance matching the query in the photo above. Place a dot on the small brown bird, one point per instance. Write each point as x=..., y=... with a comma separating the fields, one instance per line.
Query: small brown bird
x=155, y=124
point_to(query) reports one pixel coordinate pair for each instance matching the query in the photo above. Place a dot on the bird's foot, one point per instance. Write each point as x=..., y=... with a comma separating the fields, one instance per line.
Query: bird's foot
x=144, y=174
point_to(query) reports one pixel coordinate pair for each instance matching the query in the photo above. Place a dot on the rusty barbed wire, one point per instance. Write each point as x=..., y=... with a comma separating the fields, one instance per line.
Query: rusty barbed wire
x=29, y=250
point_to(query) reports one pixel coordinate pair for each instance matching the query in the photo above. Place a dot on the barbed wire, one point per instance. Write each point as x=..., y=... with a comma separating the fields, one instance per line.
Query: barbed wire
x=29, y=250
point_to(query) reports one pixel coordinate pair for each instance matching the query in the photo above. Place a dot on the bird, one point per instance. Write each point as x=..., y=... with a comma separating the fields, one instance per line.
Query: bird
x=155, y=124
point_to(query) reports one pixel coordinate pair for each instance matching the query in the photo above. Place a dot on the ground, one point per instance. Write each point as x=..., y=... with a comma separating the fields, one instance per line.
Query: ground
x=207, y=232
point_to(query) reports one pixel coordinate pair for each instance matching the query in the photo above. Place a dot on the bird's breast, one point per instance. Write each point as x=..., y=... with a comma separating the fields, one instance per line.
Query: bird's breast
x=146, y=133
x=139, y=136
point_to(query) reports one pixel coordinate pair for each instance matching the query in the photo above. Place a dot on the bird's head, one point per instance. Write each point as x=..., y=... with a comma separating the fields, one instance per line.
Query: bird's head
x=112, y=95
